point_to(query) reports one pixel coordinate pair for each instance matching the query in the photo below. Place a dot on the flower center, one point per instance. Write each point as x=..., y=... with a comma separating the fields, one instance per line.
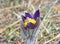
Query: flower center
x=33, y=21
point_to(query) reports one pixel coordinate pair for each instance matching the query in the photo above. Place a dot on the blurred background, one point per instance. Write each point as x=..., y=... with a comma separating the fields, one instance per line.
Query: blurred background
x=10, y=11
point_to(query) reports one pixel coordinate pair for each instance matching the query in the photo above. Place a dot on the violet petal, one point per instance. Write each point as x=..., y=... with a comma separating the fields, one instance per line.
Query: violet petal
x=28, y=15
x=36, y=14
x=30, y=25
x=23, y=18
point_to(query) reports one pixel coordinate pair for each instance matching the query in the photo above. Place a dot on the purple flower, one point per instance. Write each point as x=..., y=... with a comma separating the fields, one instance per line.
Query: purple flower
x=31, y=21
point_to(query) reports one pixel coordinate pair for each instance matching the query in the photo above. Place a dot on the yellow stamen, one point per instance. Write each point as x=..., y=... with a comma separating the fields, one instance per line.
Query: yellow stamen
x=25, y=23
x=32, y=21
x=29, y=20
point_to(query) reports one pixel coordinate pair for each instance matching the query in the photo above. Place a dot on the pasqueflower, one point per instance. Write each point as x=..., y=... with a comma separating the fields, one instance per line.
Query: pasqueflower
x=31, y=21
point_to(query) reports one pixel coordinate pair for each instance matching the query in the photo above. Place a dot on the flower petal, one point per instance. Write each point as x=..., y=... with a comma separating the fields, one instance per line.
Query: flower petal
x=36, y=14
x=23, y=18
x=31, y=26
x=28, y=15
